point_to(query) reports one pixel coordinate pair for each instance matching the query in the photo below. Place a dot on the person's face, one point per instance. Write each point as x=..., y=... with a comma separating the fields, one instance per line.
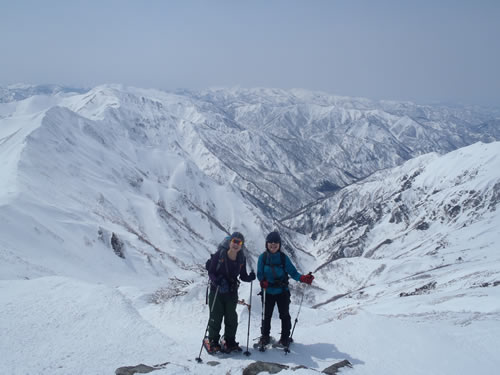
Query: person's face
x=235, y=244
x=273, y=246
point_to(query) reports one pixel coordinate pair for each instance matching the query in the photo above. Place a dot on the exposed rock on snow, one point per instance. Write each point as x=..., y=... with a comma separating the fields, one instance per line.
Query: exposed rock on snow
x=274, y=368
x=333, y=369
x=139, y=369
x=421, y=290
x=259, y=366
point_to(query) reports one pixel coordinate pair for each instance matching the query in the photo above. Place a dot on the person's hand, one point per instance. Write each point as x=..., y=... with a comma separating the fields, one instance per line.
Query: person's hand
x=308, y=279
x=252, y=276
x=264, y=284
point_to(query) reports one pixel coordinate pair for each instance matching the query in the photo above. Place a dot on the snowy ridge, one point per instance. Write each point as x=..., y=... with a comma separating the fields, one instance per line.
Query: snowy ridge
x=115, y=185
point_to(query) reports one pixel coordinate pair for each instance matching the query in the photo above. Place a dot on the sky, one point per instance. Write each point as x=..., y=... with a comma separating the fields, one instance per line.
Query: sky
x=424, y=51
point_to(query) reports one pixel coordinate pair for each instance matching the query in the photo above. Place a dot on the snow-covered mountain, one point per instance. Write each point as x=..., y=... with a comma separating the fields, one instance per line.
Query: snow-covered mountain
x=84, y=174
x=112, y=199
x=19, y=92
x=443, y=209
x=280, y=148
x=295, y=146
x=153, y=170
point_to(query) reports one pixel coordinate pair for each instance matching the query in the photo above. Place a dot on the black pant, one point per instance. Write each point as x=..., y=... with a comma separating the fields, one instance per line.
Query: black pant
x=283, y=302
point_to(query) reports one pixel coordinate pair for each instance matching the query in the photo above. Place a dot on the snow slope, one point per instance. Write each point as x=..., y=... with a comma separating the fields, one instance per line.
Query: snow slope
x=56, y=325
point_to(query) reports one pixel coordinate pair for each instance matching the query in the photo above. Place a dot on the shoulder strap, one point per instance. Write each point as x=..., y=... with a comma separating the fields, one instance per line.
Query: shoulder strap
x=283, y=261
x=221, y=258
x=282, y=257
x=242, y=259
x=284, y=280
x=264, y=262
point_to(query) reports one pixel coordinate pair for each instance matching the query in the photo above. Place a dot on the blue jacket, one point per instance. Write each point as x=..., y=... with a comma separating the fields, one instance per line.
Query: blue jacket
x=265, y=271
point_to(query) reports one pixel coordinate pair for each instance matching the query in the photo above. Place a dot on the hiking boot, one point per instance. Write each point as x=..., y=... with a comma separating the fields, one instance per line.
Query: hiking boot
x=285, y=341
x=211, y=346
x=264, y=340
x=229, y=346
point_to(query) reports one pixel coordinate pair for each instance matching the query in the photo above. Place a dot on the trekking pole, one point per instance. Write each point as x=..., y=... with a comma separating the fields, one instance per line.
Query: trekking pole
x=198, y=359
x=287, y=350
x=247, y=353
x=206, y=292
x=263, y=318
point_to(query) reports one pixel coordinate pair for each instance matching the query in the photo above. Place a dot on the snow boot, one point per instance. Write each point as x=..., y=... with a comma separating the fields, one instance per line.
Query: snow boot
x=285, y=341
x=264, y=340
x=211, y=346
x=228, y=346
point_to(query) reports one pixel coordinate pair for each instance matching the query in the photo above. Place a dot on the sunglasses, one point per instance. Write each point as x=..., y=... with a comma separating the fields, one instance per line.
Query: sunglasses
x=237, y=241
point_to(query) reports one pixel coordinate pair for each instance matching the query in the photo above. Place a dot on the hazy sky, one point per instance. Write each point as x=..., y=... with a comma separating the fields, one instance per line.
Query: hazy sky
x=419, y=50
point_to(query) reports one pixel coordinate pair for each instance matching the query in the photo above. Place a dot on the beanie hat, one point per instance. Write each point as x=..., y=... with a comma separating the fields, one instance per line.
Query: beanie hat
x=238, y=235
x=273, y=237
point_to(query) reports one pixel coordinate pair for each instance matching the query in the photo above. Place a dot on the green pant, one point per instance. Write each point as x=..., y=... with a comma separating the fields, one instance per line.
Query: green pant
x=224, y=307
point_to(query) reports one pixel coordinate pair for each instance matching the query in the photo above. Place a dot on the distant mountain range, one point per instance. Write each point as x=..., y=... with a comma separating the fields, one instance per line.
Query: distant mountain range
x=18, y=92
x=289, y=148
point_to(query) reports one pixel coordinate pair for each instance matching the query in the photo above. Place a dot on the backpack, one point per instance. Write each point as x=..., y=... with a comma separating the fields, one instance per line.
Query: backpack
x=278, y=283
x=221, y=253
x=209, y=261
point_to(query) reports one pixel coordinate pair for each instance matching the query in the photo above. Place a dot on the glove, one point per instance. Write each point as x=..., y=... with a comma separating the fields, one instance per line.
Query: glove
x=252, y=276
x=308, y=279
x=264, y=284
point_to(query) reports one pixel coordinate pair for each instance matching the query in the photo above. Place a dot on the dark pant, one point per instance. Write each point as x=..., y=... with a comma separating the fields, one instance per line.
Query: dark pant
x=283, y=302
x=224, y=307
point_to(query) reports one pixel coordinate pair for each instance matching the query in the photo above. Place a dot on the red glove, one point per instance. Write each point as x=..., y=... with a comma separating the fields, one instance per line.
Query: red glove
x=264, y=284
x=308, y=279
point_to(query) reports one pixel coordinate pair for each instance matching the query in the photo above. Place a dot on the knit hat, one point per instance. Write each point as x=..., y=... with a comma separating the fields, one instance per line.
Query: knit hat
x=273, y=237
x=238, y=235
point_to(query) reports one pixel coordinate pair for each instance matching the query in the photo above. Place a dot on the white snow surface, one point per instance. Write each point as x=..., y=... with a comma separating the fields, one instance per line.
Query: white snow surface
x=78, y=168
